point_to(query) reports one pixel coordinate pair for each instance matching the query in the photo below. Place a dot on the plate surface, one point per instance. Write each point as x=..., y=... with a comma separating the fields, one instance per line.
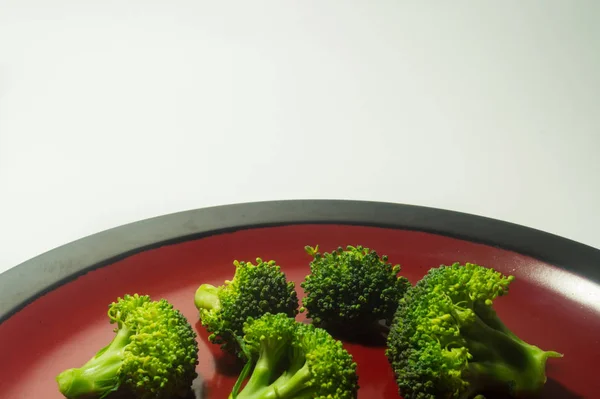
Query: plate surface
x=547, y=306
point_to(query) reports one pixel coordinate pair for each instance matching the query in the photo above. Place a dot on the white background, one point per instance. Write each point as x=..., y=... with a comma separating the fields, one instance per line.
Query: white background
x=115, y=111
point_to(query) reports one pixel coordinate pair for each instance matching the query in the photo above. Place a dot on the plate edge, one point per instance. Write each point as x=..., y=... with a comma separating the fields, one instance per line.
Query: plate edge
x=31, y=279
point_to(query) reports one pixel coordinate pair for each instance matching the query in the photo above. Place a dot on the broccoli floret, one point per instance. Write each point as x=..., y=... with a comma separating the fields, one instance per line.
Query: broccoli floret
x=349, y=291
x=153, y=354
x=447, y=341
x=253, y=291
x=292, y=360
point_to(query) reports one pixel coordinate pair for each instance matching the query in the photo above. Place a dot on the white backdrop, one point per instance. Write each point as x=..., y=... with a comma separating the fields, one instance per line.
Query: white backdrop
x=115, y=111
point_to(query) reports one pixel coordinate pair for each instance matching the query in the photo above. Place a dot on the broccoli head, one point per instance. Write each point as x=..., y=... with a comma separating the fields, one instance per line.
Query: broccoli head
x=153, y=354
x=349, y=291
x=292, y=360
x=447, y=342
x=253, y=291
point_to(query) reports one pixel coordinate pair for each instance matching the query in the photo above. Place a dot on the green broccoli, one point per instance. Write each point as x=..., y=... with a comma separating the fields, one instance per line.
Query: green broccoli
x=349, y=291
x=292, y=360
x=447, y=342
x=152, y=356
x=253, y=291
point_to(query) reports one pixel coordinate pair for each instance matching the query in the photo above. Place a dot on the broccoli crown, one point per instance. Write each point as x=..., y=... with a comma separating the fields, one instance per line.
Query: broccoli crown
x=153, y=354
x=253, y=291
x=292, y=360
x=350, y=290
x=446, y=340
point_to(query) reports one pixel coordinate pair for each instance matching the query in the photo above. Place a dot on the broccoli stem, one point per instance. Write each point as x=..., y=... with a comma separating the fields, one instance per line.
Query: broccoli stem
x=289, y=385
x=99, y=376
x=292, y=383
x=270, y=356
x=263, y=371
x=501, y=360
x=489, y=316
x=207, y=297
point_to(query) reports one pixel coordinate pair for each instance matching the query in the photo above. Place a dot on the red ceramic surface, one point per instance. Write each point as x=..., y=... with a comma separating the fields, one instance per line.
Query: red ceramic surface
x=65, y=327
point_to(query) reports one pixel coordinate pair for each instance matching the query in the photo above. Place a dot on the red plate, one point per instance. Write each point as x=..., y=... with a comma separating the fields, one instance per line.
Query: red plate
x=549, y=306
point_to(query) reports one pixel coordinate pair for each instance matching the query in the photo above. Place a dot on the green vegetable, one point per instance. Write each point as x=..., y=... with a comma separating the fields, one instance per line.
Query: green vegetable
x=349, y=291
x=292, y=360
x=447, y=342
x=153, y=354
x=253, y=291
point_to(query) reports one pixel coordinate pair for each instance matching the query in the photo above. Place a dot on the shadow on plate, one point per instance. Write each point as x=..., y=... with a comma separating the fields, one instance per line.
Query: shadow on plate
x=552, y=390
x=375, y=338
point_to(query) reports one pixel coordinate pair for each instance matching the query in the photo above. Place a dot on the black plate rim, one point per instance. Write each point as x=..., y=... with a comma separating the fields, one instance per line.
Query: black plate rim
x=29, y=280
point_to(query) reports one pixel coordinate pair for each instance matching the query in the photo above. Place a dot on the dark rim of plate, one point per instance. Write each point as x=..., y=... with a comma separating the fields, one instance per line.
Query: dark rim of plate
x=24, y=283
